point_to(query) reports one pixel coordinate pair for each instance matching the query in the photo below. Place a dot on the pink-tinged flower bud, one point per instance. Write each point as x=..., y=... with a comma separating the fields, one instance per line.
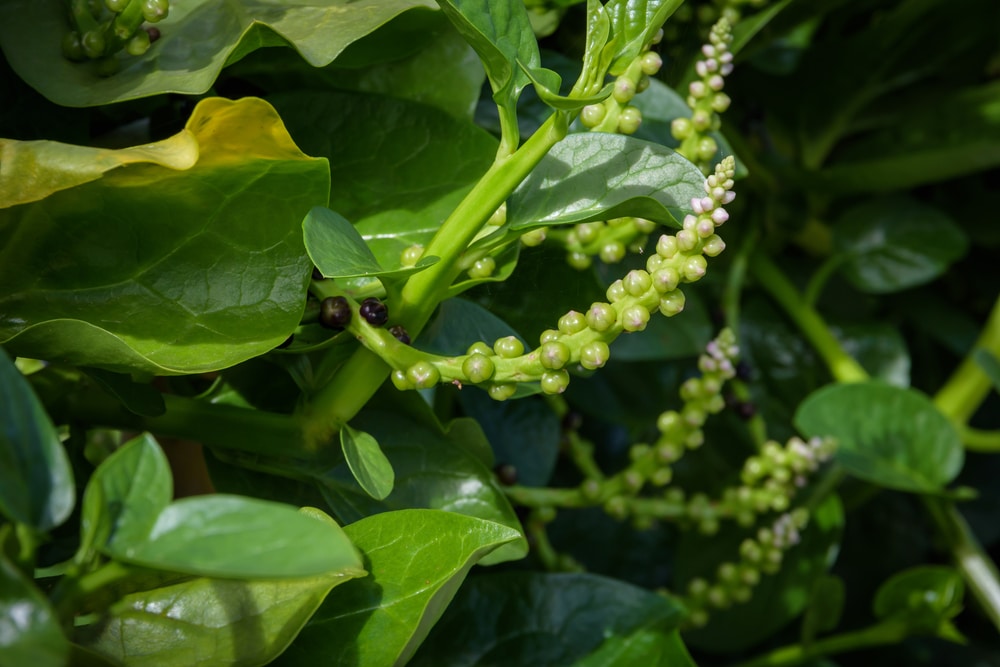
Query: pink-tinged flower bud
x=687, y=240
x=716, y=82
x=706, y=227
x=726, y=69
x=696, y=205
x=708, y=50
x=730, y=196
x=719, y=216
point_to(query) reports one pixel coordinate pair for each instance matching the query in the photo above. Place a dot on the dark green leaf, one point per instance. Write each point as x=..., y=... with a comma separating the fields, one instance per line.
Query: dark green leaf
x=826, y=605
x=396, y=196
x=125, y=496
x=36, y=481
x=595, y=176
x=520, y=618
x=634, y=23
x=29, y=629
x=460, y=323
x=746, y=29
x=140, y=399
x=669, y=338
x=244, y=538
x=778, y=598
x=198, y=38
x=432, y=471
x=149, y=268
x=211, y=622
x=925, y=597
x=417, y=560
x=367, y=462
x=896, y=243
x=888, y=435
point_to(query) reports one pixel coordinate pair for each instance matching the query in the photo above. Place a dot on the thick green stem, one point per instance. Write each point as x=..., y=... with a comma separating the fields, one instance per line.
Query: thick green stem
x=362, y=374
x=877, y=635
x=962, y=394
x=72, y=590
x=843, y=367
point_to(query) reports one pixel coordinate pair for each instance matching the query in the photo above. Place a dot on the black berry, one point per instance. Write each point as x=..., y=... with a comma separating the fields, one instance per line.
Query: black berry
x=506, y=474
x=374, y=311
x=154, y=33
x=400, y=334
x=334, y=312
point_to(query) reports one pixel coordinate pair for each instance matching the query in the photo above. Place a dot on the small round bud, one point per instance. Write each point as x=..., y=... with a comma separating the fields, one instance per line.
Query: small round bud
x=579, y=260
x=572, y=322
x=478, y=368
x=681, y=128
x=555, y=382
x=508, y=347
x=155, y=10
x=651, y=62
x=501, y=391
x=423, y=374
x=672, y=303
x=666, y=246
x=591, y=489
x=411, y=255
x=666, y=280
x=93, y=43
x=479, y=347
x=601, y=317
x=616, y=291
x=707, y=148
x=594, y=355
x=483, y=267
x=592, y=115
x=635, y=318
x=629, y=120
x=612, y=252
x=694, y=268
x=624, y=90
x=138, y=44
x=637, y=282
x=713, y=245
x=400, y=381
x=588, y=231
x=116, y=6
x=533, y=238
x=548, y=336
x=72, y=47
x=553, y=355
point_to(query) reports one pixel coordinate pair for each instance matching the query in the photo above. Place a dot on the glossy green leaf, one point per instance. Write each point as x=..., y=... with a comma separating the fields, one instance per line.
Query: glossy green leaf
x=458, y=324
x=523, y=618
x=501, y=34
x=139, y=399
x=826, y=605
x=888, y=435
x=29, y=630
x=36, y=481
x=211, y=622
x=338, y=251
x=367, y=462
x=596, y=176
x=232, y=536
x=896, y=243
x=634, y=23
x=417, y=559
x=432, y=470
x=397, y=196
x=925, y=597
x=149, y=268
x=779, y=598
x=199, y=37
x=125, y=496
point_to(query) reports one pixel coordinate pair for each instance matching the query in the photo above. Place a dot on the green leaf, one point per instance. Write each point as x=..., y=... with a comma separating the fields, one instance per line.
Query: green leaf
x=140, y=399
x=595, y=176
x=458, y=324
x=211, y=622
x=523, y=618
x=501, y=34
x=888, y=435
x=36, y=480
x=396, y=196
x=367, y=462
x=149, y=268
x=432, y=471
x=896, y=243
x=244, y=538
x=826, y=605
x=125, y=497
x=634, y=23
x=674, y=338
x=747, y=29
x=199, y=37
x=778, y=598
x=417, y=559
x=338, y=251
x=924, y=597
x=29, y=629
x=989, y=365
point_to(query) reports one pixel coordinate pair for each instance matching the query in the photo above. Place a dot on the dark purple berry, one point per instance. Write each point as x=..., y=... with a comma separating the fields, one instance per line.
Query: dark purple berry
x=374, y=311
x=154, y=33
x=400, y=334
x=506, y=474
x=334, y=312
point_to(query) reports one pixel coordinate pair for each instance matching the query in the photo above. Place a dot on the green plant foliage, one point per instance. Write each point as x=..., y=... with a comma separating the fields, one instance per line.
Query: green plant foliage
x=925, y=598
x=903, y=443
x=29, y=629
x=621, y=176
x=36, y=481
x=367, y=462
x=110, y=300
x=519, y=618
x=380, y=620
x=199, y=39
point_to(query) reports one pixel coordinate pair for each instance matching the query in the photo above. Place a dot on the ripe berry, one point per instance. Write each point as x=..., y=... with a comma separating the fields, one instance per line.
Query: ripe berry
x=334, y=312
x=374, y=311
x=400, y=334
x=506, y=474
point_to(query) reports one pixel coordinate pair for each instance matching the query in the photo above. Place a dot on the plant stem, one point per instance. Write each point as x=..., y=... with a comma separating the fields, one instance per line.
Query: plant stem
x=843, y=367
x=876, y=635
x=962, y=394
x=364, y=372
x=72, y=590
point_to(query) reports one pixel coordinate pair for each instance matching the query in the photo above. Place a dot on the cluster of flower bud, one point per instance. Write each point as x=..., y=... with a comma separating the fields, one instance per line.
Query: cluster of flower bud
x=734, y=582
x=581, y=340
x=102, y=29
x=705, y=98
x=607, y=240
x=616, y=113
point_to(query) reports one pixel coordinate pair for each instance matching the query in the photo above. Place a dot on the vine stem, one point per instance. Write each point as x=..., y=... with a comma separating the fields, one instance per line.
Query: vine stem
x=877, y=635
x=364, y=372
x=954, y=400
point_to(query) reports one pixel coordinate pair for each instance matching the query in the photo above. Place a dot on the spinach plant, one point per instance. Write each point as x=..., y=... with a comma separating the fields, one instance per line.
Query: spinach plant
x=676, y=319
